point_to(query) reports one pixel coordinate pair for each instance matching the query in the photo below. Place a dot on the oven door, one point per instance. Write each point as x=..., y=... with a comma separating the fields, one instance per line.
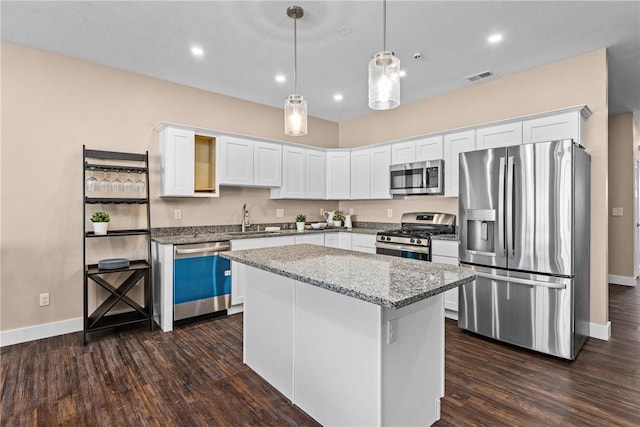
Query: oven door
x=404, y=251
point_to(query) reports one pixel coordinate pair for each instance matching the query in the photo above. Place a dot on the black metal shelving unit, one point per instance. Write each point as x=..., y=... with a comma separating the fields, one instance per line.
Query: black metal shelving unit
x=117, y=282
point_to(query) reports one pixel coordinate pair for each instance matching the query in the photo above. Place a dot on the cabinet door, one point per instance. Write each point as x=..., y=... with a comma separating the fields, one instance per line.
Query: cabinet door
x=267, y=164
x=379, y=181
x=446, y=252
x=344, y=240
x=293, y=173
x=363, y=243
x=315, y=169
x=177, y=153
x=499, y=136
x=312, y=239
x=338, y=175
x=552, y=128
x=360, y=174
x=429, y=148
x=454, y=144
x=403, y=152
x=332, y=240
x=236, y=161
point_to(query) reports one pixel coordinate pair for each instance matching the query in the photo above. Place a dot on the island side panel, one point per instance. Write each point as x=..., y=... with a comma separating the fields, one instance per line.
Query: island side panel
x=162, y=265
x=337, y=357
x=413, y=365
x=268, y=328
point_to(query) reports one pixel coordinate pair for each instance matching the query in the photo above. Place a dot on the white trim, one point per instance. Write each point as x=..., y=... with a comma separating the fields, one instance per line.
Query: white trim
x=621, y=280
x=46, y=330
x=601, y=332
x=451, y=314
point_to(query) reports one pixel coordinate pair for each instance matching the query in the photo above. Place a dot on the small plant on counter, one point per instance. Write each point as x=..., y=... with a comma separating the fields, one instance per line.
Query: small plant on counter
x=337, y=217
x=100, y=216
x=301, y=218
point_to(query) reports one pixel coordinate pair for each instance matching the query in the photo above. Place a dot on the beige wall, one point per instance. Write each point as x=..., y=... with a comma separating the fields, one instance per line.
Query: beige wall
x=51, y=106
x=621, y=163
x=575, y=81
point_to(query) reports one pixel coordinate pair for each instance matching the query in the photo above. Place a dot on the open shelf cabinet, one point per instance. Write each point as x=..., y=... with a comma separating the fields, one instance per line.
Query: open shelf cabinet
x=118, y=308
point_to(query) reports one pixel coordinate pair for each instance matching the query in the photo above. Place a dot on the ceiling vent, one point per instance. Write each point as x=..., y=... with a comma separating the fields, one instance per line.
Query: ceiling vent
x=479, y=76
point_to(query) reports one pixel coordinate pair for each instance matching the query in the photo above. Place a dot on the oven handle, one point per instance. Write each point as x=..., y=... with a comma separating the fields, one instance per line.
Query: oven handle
x=212, y=250
x=399, y=247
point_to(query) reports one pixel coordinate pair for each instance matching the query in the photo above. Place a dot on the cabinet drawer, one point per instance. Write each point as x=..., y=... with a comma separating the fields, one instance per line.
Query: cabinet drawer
x=445, y=248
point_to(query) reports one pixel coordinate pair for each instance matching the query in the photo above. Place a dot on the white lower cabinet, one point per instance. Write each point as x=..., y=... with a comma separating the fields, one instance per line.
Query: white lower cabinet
x=312, y=239
x=446, y=252
x=238, y=271
x=363, y=243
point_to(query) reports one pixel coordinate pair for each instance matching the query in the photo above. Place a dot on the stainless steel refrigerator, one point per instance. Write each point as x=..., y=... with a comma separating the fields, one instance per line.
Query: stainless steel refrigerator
x=524, y=228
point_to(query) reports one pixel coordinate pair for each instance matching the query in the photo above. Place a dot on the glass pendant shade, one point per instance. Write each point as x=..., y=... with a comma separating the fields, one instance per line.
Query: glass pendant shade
x=295, y=115
x=384, y=81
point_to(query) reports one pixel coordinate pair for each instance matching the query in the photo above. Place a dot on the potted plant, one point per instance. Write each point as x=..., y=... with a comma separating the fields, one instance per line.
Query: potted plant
x=300, y=220
x=100, y=220
x=337, y=219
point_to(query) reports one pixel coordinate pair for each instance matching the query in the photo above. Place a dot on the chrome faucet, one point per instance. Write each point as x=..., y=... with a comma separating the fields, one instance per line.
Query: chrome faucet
x=245, y=218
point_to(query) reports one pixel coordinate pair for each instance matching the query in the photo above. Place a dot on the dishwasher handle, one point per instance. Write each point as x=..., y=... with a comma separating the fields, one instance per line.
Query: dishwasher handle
x=213, y=249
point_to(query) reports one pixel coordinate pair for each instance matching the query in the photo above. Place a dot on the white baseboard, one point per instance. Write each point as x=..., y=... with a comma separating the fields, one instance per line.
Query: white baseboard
x=450, y=314
x=601, y=332
x=46, y=330
x=622, y=280
x=239, y=308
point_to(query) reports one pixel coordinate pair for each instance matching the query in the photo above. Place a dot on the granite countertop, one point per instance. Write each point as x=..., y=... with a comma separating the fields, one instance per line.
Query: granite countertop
x=187, y=238
x=448, y=237
x=391, y=282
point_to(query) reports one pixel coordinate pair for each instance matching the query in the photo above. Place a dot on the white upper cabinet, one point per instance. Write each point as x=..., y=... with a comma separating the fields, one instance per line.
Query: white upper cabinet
x=361, y=174
x=454, y=144
x=379, y=181
x=250, y=163
x=566, y=125
x=338, y=174
x=403, y=152
x=316, y=170
x=187, y=163
x=499, y=136
x=429, y=148
x=303, y=174
x=267, y=164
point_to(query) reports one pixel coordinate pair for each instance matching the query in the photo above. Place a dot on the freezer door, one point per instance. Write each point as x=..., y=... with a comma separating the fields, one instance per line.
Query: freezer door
x=531, y=311
x=539, y=207
x=482, y=187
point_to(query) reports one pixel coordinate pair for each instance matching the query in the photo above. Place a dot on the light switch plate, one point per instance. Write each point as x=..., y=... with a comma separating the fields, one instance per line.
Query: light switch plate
x=390, y=213
x=392, y=331
x=280, y=213
x=177, y=213
x=616, y=211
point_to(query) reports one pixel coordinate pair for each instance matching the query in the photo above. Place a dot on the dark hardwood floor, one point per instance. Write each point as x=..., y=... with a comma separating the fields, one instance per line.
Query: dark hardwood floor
x=194, y=376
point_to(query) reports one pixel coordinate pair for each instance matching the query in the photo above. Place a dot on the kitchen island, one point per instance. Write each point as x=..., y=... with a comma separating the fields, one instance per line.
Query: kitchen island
x=351, y=338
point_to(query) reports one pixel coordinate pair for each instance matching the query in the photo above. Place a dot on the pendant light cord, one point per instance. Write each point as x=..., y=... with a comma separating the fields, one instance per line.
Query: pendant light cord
x=295, y=54
x=384, y=25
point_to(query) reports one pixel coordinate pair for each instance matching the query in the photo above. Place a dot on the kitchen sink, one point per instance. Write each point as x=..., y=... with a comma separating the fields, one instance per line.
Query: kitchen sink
x=245, y=233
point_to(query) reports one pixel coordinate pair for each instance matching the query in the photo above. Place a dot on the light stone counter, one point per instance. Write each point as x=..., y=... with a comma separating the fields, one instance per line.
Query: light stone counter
x=390, y=282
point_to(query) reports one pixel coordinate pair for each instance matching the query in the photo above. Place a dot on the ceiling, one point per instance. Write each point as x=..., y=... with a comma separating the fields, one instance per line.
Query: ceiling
x=246, y=43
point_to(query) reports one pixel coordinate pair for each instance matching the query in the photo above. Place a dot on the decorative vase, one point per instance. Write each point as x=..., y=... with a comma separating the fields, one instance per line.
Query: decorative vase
x=300, y=226
x=100, y=228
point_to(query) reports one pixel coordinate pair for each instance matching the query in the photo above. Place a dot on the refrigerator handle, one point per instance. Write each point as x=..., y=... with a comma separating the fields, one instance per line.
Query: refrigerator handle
x=510, y=207
x=501, y=244
x=521, y=281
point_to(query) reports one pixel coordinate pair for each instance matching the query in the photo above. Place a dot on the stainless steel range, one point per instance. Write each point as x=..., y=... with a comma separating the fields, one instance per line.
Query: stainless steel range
x=413, y=239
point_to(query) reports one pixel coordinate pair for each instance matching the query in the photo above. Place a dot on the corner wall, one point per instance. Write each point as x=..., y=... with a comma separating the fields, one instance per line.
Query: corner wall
x=574, y=81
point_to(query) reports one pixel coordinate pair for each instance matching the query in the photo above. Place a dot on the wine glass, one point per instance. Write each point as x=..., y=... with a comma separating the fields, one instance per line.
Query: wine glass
x=92, y=182
x=139, y=183
x=128, y=184
x=117, y=184
x=105, y=184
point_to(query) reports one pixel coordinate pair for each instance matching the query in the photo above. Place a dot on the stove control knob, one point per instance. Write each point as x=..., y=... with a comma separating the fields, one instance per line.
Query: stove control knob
x=418, y=241
x=388, y=238
x=412, y=241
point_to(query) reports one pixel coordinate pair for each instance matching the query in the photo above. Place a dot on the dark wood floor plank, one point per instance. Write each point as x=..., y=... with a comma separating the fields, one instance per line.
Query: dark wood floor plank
x=194, y=376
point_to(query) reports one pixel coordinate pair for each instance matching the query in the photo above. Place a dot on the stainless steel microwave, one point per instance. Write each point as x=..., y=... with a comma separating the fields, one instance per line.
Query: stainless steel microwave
x=417, y=178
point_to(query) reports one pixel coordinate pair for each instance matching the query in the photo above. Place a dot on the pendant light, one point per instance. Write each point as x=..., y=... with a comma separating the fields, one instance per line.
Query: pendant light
x=384, y=74
x=295, y=106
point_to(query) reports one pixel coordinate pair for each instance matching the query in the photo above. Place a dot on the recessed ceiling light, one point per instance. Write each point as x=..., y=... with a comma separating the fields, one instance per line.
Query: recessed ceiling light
x=495, y=38
x=197, y=51
x=280, y=78
x=338, y=97
x=402, y=73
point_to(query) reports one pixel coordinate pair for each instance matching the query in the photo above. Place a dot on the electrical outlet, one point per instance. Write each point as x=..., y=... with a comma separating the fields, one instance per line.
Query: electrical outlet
x=392, y=331
x=616, y=211
x=44, y=299
x=390, y=213
x=177, y=213
x=280, y=213
x=350, y=211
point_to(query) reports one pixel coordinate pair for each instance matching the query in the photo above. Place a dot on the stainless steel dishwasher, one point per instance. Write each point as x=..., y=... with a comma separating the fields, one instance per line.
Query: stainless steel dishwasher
x=201, y=279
